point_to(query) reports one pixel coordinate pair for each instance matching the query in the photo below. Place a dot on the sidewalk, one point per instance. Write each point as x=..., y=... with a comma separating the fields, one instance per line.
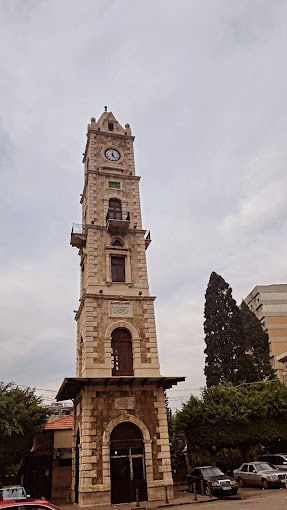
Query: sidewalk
x=184, y=498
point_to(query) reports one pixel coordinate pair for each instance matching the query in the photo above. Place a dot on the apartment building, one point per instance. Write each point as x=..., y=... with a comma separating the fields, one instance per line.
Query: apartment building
x=269, y=303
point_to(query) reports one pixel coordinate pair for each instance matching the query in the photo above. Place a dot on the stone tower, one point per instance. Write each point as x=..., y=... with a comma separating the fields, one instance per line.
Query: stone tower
x=121, y=445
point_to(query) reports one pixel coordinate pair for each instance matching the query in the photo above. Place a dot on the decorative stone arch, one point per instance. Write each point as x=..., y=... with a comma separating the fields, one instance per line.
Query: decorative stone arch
x=106, y=447
x=121, y=324
x=128, y=418
x=135, y=337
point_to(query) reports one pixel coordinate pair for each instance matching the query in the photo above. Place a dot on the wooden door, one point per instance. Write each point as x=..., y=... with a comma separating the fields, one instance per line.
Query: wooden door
x=122, y=356
x=128, y=480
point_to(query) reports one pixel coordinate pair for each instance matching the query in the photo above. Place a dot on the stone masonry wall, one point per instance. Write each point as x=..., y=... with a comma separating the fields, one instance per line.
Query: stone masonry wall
x=96, y=408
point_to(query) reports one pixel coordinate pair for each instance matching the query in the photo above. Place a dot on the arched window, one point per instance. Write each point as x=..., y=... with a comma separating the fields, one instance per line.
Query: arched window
x=122, y=355
x=115, y=209
x=80, y=356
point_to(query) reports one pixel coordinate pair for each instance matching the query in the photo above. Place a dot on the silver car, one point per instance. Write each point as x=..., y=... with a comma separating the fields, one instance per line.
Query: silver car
x=13, y=492
x=259, y=473
x=277, y=460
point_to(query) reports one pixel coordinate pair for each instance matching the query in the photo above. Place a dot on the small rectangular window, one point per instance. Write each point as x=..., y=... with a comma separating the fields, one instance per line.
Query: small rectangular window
x=114, y=185
x=118, y=268
x=110, y=126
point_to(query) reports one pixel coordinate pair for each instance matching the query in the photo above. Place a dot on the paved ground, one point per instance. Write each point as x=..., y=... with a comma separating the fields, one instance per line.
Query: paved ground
x=251, y=499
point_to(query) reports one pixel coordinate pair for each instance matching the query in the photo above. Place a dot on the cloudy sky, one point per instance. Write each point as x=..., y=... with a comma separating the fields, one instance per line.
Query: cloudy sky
x=203, y=85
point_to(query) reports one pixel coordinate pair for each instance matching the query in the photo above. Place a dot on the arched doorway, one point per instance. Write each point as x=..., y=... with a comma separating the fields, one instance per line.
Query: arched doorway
x=77, y=468
x=127, y=464
x=122, y=355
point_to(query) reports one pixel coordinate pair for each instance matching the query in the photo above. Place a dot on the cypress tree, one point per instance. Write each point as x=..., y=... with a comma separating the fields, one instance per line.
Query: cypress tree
x=257, y=343
x=226, y=358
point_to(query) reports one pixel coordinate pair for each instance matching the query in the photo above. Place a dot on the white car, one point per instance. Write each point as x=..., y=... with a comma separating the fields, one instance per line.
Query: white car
x=259, y=473
x=13, y=492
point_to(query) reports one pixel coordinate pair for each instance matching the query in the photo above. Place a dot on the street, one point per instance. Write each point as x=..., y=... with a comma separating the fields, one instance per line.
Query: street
x=252, y=499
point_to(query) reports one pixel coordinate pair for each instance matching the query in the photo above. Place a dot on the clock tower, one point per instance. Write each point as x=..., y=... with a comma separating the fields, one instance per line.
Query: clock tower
x=121, y=444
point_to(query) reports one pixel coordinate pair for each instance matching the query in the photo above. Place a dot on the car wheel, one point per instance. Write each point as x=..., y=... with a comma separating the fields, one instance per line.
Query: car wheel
x=208, y=490
x=240, y=482
x=264, y=484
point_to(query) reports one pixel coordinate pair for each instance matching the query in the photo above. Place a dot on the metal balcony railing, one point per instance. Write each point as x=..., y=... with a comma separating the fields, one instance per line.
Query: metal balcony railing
x=117, y=216
x=78, y=228
x=147, y=240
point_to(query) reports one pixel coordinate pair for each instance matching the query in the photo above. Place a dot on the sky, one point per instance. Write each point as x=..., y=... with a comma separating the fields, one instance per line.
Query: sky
x=203, y=85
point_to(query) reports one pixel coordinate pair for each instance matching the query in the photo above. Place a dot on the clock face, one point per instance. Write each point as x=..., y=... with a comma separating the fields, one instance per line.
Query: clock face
x=112, y=154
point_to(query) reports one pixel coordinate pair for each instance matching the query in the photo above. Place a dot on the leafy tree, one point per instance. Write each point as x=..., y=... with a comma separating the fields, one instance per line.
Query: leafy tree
x=226, y=358
x=257, y=342
x=228, y=416
x=21, y=418
x=177, y=446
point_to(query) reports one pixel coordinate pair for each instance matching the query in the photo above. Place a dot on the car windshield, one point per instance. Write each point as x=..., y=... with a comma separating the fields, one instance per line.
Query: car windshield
x=212, y=471
x=263, y=466
x=12, y=493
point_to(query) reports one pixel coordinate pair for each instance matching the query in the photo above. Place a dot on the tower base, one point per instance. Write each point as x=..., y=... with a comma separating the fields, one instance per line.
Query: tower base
x=121, y=440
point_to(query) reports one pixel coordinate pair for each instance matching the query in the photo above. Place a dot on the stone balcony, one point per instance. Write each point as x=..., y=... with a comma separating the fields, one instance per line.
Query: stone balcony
x=117, y=225
x=78, y=235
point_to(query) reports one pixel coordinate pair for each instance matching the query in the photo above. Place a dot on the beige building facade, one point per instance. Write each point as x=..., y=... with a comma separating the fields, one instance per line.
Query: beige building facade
x=121, y=444
x=269, y=303
x=47, y=469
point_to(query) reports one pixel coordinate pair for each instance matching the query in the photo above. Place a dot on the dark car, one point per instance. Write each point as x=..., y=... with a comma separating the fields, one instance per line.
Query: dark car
x=212, y=481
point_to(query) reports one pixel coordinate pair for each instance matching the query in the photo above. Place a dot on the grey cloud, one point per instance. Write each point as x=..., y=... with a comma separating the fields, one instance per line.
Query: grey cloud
x=203, y=87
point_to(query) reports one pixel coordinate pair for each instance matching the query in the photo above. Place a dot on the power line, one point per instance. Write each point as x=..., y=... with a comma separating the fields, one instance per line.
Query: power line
x=56, y=391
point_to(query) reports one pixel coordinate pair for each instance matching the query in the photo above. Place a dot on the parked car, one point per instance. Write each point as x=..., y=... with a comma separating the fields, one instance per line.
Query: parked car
x=37, y=504
x=259, y=474
x=13, y=492
x=212, y=481
x=277, y=460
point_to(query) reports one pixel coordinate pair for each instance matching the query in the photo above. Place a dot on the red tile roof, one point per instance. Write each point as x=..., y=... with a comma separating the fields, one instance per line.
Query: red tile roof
x=64, y=422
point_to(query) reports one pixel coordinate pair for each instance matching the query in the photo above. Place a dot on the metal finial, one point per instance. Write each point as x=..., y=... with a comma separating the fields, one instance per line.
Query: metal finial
x=106, y=108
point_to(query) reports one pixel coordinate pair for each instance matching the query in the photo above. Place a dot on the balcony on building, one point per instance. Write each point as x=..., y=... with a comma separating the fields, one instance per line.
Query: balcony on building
x=147, y=240
x=117, y=224
x=78, y=235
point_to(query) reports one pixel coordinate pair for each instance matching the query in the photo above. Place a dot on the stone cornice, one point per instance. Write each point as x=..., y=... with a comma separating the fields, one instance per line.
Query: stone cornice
x=71, y=386
x=108, y=297
x=96, y=132
x=95, y=226
x=116, y=176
